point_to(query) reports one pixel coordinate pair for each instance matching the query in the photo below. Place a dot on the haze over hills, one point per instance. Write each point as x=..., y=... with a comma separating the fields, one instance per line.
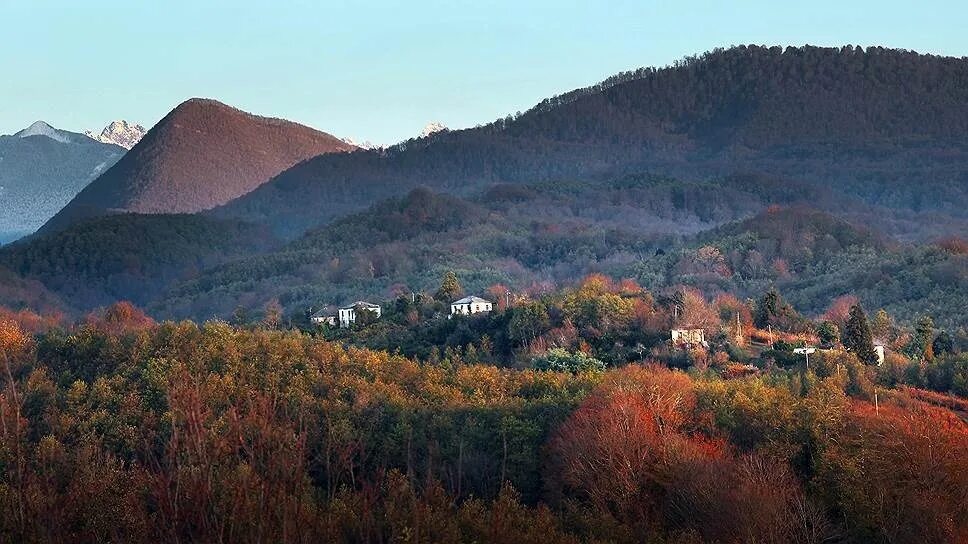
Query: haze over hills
x=202, y=154
x=41, y=169
x=889, y=127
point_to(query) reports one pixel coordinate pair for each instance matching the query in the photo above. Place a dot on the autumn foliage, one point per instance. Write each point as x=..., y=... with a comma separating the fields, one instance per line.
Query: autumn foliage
x=124, y=430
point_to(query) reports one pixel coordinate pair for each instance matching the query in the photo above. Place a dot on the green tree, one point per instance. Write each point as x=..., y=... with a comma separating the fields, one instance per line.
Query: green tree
x=857, y=336
x=561, y=360
x=944, y=344
x=828, y=333
x=450, y=288
x=769, y=309
x=528, y=321
x=921, y=344
x=365, y=317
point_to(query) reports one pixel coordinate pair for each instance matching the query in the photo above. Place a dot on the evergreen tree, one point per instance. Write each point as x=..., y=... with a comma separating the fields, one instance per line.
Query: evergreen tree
x=921, y=345
x=450, y=288
x=944, y=344
x=828, y=333
x=767, y=309
x=857, y=336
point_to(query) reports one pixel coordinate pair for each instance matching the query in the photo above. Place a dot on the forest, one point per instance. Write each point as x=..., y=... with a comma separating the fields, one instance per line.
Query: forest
x=663, y=233
x=540, y=422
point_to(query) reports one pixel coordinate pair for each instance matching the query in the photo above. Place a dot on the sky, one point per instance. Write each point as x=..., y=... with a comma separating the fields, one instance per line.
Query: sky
x=380, y=70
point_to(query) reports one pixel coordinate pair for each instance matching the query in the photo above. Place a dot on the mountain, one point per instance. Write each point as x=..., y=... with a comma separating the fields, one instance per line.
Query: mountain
x=820, y=171
x=432, y=128
x=41, y=169
x=119, y=133
x=888, y=127
x=40, y=128
x=202, y=154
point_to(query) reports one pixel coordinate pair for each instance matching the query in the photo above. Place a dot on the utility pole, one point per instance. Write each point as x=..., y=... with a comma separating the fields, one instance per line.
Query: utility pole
x=738, y=338
x=806, y=351
x=769, y=328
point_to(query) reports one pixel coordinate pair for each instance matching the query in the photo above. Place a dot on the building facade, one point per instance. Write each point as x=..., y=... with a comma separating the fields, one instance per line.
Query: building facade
x=348, y=314
x=470, y=305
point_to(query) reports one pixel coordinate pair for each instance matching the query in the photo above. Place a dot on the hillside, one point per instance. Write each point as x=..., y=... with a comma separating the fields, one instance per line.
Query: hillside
x=813, y=257
x=202, y=154
x=17, y=293
x=887, y=127
x=41, y=169
x=128, y=256
x=659, y=231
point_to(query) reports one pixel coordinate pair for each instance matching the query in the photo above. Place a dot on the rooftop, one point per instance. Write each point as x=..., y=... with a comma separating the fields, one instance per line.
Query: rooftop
x=359, y=303
x=470, y=300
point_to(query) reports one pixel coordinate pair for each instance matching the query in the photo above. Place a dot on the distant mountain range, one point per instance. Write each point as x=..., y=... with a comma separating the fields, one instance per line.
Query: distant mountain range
x=630, y=177
x=199, y=156
x=41, y=169
x=887, y=127
x=119, y=133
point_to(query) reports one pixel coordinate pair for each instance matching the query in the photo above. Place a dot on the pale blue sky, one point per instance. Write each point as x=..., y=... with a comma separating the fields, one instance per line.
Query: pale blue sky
x=380, y=70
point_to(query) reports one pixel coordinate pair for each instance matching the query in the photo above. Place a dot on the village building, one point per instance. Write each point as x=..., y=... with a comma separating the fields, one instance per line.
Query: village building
x=688, y=337
x=470, y=305
x=327, y=315
x=348, y=314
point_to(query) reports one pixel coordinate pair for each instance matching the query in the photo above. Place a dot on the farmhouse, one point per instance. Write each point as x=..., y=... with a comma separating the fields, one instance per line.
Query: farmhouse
x=327, y=315
x=349, y=313
x=470, y=305
x=686, y=337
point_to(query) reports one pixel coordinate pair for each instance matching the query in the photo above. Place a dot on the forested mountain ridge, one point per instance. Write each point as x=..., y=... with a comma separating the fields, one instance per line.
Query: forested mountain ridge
x=598, y=180
x=133, y=257
x=202, y=154
x=887, y=126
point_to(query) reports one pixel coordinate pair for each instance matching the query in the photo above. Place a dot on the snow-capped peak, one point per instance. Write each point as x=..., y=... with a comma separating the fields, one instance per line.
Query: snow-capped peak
x=431, y=128
x=40, y=128
x=365, y=144
x=119, y=133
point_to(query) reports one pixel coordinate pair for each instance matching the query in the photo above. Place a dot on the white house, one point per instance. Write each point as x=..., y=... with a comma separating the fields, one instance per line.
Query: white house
x=688, y=336
x=470, y=305
x=348, y=313
x=327, y=315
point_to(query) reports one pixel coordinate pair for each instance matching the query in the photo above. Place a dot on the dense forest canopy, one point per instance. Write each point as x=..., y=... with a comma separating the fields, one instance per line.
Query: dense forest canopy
x=652, y=229
x=129, y=256
x=118, y=429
